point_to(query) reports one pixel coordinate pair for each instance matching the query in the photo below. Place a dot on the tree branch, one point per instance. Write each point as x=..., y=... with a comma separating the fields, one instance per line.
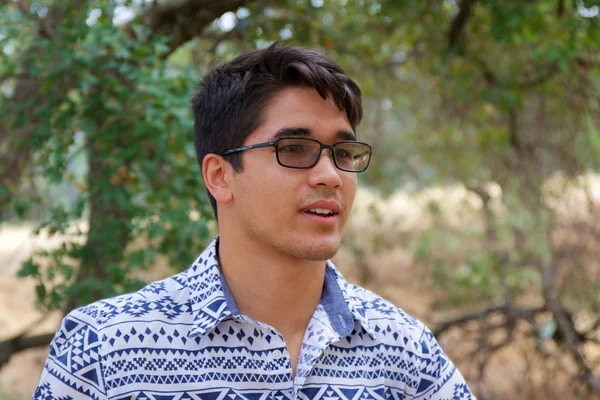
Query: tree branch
x=549, y=70
x=519, y=313
x=586, y=63
x=560, y=8
x=488, y=75
x=22, y=342
x=565, y=334
x=572, y=338
x=458, y=24
x=183, y=20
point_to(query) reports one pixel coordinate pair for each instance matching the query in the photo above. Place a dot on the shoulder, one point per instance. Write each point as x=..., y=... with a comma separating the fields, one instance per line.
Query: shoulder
x=83, y=333
x=164, y=299
x=384, y=318
x=393, y=326
x=78, y=350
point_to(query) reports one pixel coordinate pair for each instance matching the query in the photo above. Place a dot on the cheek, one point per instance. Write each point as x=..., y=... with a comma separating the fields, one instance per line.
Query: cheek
x=350, y=186
x=270, y=193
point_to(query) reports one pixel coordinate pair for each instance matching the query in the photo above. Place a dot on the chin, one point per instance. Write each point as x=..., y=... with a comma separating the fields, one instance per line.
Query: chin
x=316, y=249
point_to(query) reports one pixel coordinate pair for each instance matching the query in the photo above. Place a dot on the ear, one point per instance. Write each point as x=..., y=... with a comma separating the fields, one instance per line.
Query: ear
x=215, y=172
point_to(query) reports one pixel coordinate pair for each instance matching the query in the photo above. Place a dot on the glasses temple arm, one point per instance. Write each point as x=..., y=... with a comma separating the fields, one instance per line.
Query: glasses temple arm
x=249, y=147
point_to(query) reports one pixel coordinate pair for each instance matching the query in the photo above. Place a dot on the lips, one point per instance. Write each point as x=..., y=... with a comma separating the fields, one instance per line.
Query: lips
x=323, y=208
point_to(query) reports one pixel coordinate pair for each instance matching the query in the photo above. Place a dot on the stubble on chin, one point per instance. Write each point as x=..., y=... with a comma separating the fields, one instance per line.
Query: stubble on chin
x=303, y=250
x=310, y=251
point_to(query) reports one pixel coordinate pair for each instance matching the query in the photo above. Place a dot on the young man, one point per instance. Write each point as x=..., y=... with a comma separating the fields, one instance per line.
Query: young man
x=261, y=314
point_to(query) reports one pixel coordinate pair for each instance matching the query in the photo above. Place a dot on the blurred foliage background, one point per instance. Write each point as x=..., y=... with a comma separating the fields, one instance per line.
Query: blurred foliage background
x=484, y=119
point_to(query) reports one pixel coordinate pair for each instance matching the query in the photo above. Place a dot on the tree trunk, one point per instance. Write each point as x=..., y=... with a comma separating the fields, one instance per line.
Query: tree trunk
x=109, y=227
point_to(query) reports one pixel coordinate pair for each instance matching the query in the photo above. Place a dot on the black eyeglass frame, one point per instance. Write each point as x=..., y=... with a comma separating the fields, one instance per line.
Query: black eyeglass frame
x=275, y=143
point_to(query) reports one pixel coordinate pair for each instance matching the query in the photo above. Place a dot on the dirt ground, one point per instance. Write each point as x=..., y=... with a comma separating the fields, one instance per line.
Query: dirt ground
x=17, y=312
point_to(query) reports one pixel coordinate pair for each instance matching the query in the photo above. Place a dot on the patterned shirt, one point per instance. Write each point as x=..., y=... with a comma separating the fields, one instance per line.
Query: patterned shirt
x=184, y=338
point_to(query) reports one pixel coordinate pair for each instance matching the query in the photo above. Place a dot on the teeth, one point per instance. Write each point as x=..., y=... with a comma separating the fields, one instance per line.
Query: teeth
x=321, y=211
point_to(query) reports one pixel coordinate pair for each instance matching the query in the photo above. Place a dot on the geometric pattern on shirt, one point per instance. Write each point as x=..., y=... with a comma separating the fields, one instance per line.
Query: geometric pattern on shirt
x=183, y=338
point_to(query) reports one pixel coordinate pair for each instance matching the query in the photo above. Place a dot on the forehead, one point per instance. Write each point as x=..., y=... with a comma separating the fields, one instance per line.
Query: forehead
x=305, y=109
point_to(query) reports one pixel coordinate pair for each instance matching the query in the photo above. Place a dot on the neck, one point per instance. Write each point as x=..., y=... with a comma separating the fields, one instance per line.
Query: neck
x=271, y=287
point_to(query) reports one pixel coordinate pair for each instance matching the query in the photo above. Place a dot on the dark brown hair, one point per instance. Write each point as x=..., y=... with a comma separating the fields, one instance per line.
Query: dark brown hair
x=231, y=98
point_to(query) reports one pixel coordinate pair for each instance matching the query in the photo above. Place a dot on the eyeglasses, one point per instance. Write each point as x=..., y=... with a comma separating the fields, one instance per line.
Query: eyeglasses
x=303, y=153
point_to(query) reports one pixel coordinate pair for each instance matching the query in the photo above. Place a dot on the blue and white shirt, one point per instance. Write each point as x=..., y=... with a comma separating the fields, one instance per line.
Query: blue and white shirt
x=184, y=338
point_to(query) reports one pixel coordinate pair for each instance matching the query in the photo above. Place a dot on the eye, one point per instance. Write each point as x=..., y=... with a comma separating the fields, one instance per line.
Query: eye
x=342, y=153
x=292, y=148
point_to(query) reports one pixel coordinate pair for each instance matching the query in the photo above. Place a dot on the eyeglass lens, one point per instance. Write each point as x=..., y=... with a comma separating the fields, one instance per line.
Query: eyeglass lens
x=304, y=153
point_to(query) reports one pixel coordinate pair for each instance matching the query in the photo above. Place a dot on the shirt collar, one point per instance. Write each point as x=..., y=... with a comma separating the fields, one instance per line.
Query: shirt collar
x=354, y=303
x=212, y=302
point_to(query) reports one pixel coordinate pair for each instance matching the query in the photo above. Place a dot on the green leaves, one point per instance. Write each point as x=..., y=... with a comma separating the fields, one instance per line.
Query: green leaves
x=111, y=125
x=29, y=269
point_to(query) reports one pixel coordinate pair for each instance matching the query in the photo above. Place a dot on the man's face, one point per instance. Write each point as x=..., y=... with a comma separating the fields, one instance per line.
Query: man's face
x=273, y=203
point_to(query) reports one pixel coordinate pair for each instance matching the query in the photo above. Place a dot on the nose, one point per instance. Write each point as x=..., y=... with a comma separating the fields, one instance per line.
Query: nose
x=325, y=173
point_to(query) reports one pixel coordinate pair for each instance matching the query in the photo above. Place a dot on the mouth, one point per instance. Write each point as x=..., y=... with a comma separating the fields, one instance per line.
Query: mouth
x=322, y=212
x=321, y=216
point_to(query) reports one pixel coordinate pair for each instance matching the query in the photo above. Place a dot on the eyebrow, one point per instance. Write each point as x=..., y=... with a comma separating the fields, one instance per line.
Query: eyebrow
x=341, y=134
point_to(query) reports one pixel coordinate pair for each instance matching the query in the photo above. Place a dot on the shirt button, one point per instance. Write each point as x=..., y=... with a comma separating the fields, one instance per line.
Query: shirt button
x=277, y=354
